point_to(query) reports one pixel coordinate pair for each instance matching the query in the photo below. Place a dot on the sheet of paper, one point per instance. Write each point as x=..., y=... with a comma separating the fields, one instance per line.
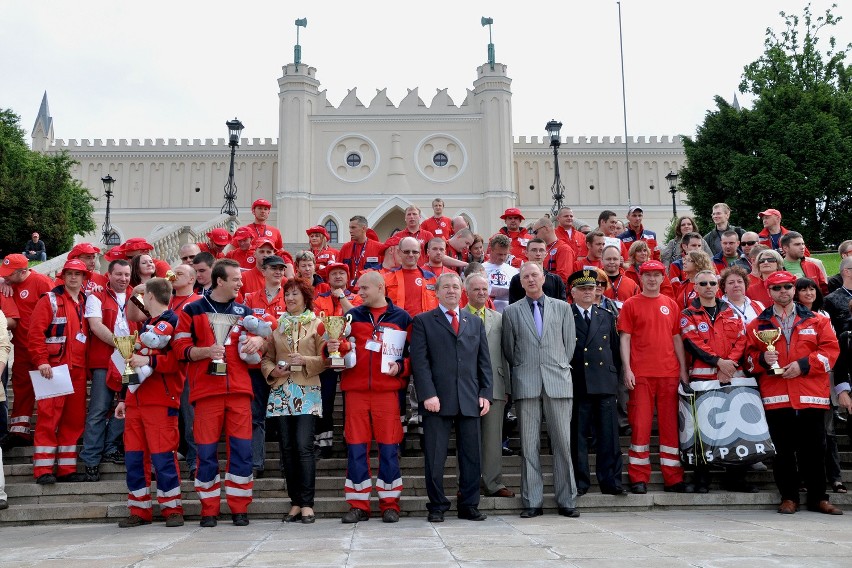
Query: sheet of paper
x=393, y=343
x=59, y=385
x=117, y=361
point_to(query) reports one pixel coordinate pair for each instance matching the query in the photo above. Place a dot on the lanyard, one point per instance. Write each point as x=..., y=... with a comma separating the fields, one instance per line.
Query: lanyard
x=259, y=233
x=356, y=262
x=182, y=302
x=121, y=307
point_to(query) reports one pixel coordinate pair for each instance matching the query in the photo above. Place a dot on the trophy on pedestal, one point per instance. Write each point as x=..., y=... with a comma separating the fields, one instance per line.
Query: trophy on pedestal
x=334, y=326
x=221, y=325
x=769, y=337
x=295, y=337
x=126, y=345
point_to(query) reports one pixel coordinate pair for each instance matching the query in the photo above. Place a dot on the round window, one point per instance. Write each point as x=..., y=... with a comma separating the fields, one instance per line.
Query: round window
x=353, y=160
x=440, y=159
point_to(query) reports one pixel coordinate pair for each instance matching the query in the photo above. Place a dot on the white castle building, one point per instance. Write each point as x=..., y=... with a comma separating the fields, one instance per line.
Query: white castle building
x=330, y=163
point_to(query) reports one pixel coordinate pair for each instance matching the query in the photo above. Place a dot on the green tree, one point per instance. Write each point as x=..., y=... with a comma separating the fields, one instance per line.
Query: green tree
x=792, y=150
x=38, y=194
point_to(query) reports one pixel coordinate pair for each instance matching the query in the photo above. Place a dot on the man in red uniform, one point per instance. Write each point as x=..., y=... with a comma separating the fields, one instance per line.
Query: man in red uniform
x=796, y=400
x=566, y=232
x=259, y=229
x=360, y=254
x=241, y=251
x=458, y=249
x=636, y=232
x=27, y=288
x=412, y=229
x=88, y=253
x=151, y=414
x=436, y=249
x=560, y=257
x=372, y=403
x=254, y=280
x=106, y=316
x=323, y=253
x=267, y=301
x=217, y=240
x=517, y=234
x=222, y=403
x=437, y=224
x=57, y=337
x=595, y=243
x=652, y=367
x=138, y=245
x=621, y=287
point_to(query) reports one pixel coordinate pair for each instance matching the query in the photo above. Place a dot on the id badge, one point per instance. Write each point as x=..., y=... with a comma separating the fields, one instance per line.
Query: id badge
x=81, y=337
x=374, y=346
x=438, y=231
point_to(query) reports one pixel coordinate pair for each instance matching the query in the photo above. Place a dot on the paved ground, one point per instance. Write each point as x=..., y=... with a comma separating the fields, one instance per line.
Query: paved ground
x=625, y=540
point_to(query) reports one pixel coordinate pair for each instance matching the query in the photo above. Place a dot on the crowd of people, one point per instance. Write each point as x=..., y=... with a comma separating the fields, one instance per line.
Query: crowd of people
x=437, y=330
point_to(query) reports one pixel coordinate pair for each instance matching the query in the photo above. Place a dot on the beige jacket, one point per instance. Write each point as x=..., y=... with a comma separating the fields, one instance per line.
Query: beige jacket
x=5, y=348
x=311, y=349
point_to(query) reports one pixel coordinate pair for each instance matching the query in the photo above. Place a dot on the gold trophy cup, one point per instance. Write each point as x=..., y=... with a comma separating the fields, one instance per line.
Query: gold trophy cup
x=126, y=345
x=334, y=326
x=221, y=325
x=295, y=337
x=769, y=337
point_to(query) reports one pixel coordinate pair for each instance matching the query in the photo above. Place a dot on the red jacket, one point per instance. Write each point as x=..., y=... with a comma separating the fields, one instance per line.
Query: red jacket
x=165, y=385
x=194, y=330
x=324, y=257
x=706, y=340
x=366, y=375
x=54, y=329
x=440, y=227
x=577, y=241
x=629, y=236
x=395, y=289
x=560, y=260
x=813, y=345
x=360, y=258
x=330, y=306
x=812, y=271
x=622, y=288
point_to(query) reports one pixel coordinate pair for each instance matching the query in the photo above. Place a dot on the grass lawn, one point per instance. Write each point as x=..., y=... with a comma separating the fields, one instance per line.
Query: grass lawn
x=831, y=261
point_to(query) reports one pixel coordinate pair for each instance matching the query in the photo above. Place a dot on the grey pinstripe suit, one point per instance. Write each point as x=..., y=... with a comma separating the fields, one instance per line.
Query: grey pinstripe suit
x=541, y=379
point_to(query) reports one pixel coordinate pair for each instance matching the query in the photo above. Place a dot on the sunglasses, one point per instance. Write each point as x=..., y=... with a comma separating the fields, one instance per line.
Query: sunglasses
x=748, y=243
x=600, y=284
x=535, y=231
x=781, y=287
x=765, y=260
x=707, y=283
x=189, y=258
x=410, y=251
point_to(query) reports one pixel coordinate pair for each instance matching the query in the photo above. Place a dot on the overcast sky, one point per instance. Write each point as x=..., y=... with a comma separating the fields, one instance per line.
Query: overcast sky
x=180, y=69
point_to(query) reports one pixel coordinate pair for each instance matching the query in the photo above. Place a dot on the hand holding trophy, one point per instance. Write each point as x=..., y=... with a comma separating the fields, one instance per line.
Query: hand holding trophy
x=221, y=325
x=334, y=327
x=769, y=337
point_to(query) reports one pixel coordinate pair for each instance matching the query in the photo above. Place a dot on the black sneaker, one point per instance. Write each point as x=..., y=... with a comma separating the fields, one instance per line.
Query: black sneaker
x=240, y=519
x=390, y=516
x=354, y=515
x=679, y=487
x=210, y=521
x=93, y=473
x=46, y=479
x=75, y=477
x=114, y=457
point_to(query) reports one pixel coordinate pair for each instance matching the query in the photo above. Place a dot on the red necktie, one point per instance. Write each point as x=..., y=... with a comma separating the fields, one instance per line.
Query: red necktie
x=455, y=321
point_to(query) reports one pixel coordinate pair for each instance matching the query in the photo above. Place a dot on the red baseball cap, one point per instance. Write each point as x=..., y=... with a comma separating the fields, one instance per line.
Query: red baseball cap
x=763, y=214
x=652, y=266
x=12, y=263
x=260, y=241
x=240, y=234
x=318, y=229
x=74, y=264
x=219, y=236
x=261, y=203
x=337, y=266
x=82, y=248
x=780, y=277
x=512, y=212
x=163, y=328
x=115, y=253
x=137, y=243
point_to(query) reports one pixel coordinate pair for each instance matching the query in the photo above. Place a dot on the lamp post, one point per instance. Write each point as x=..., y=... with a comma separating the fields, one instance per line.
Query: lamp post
x=108, y=238
x=235, y=127
x=671, y=177
x=557, y=189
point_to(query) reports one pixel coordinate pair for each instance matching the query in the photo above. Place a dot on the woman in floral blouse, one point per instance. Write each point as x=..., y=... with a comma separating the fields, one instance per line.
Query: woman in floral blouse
x=292, y=364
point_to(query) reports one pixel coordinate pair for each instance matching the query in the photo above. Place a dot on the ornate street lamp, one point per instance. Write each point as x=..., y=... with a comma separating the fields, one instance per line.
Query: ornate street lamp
x=109, y=238
x=235, y=127
x=671, y=177
x=557, y=189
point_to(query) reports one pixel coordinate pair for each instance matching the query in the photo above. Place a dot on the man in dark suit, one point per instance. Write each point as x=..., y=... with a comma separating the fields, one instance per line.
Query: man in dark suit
x=596, y=368
x=538, y=338
x=452, y=377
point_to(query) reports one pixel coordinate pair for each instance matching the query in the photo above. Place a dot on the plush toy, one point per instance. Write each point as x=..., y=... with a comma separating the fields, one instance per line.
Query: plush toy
x=256, y=326
x=151, y=342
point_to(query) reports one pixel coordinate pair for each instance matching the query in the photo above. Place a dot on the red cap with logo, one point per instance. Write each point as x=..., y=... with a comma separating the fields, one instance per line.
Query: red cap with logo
x=12, y=263
x=261, y=203
x=763, y=214
x=137, y=243
x=75, y=265
x=115, y=253
x=219, y=236
x=83, y=248
x=512, y=212
x=240, y=234
x=652, y=266
x=780, y=277
x=318, y=229
x=337, y=266
x=260, y=241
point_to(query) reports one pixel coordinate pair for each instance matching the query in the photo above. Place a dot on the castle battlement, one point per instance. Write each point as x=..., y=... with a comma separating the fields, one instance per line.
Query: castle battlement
x=381, y=104
x=149, y=144
x=586, y=142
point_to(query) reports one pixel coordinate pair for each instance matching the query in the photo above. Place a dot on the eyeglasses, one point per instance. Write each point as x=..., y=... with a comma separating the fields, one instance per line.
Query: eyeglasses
x=410, y=251
x=748, y=243
x=707, y=283
x=535, y=231
x=188, y=258
x=765, y=260
x=781, y=287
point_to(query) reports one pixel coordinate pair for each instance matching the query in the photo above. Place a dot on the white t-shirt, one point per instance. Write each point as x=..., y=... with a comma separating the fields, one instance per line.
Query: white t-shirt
x=94, y=309
x=498, y=277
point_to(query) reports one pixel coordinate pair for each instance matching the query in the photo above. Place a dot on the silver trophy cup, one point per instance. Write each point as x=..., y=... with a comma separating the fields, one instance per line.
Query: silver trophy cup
x=221, y=325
